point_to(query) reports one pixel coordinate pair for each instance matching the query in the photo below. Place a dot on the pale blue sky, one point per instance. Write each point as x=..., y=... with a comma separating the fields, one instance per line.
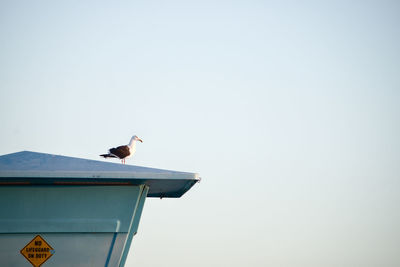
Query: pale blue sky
x=289, y=111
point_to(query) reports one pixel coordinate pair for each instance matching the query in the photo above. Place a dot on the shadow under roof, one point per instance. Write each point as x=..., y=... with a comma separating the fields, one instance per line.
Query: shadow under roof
x=30, y=168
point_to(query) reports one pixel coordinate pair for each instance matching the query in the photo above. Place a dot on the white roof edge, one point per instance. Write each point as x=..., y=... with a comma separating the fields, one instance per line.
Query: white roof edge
x=98, y=174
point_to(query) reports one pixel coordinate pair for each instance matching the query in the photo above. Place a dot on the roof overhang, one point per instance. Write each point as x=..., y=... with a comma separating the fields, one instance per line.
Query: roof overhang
x=33, y=168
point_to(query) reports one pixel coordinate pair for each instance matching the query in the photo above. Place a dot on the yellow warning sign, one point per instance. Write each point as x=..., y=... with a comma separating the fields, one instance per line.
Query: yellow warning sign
x=37, y=251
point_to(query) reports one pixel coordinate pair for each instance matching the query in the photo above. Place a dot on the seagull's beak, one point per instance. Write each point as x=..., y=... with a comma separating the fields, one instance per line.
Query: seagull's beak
x=140, y=140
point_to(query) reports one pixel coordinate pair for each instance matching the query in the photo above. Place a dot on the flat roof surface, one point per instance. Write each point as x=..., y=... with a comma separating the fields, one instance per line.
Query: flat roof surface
x=30, y=168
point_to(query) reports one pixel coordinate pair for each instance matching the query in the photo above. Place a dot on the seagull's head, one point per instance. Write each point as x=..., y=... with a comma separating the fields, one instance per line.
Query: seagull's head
x=135, y=138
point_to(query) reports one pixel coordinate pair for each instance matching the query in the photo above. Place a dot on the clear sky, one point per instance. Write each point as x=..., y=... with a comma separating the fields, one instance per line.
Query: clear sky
x=288, y=110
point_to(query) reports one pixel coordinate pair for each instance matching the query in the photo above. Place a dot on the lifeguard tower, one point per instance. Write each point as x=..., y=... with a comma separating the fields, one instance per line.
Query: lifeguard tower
x=65, y=211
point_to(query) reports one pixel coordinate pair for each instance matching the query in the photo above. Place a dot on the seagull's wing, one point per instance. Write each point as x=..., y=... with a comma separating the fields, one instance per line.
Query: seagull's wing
x=121, y=151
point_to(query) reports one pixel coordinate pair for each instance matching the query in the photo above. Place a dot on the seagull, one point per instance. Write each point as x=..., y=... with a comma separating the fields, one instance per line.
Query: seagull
x=123, y=152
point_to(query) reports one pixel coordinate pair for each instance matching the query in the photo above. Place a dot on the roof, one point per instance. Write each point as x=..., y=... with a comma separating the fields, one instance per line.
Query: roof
x=30, y=168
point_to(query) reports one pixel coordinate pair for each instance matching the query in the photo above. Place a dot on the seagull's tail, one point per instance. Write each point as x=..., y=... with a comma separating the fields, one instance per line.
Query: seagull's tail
x=107, y=155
